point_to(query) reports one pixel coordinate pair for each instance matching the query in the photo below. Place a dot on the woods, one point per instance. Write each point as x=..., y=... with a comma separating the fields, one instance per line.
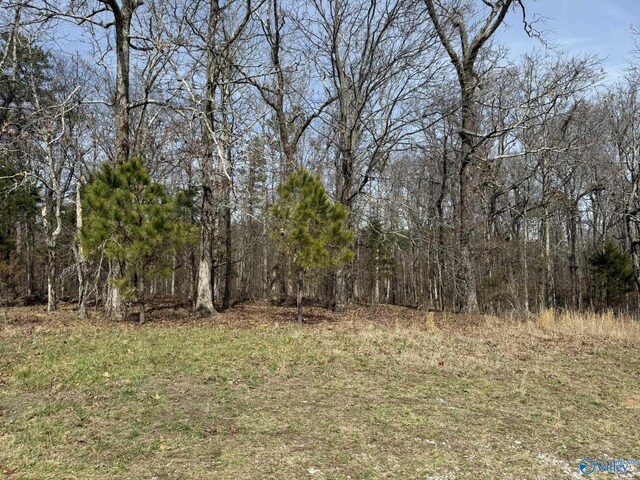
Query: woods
x=221, y=151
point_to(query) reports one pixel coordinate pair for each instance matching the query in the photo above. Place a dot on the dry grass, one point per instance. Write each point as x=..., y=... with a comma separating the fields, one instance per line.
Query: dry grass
x=583, y=325
x=385, y=393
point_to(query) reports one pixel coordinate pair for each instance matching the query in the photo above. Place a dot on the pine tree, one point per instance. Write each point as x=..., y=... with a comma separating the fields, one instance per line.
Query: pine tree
x=135, y=223
x=309, y=228
x=613, y=271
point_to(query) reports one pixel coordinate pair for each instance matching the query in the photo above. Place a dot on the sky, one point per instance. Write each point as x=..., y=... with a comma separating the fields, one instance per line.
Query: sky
x=580, y=26
x=601, y=27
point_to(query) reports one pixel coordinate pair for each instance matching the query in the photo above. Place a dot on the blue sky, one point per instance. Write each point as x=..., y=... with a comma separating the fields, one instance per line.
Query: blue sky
x=580, y=26
x=575, y=26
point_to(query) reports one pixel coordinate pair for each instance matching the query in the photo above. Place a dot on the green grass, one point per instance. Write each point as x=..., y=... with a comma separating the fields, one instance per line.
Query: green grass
x=331, y=401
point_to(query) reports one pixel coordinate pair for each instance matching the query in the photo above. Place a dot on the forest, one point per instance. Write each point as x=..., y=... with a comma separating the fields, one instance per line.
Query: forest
x=336, y=152
x=319, y=239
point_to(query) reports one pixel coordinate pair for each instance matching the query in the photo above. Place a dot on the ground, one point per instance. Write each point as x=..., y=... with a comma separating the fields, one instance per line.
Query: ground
x=374, y=393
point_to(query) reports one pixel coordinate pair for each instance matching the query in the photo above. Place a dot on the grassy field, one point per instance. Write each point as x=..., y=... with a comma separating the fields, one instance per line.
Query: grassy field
x=391, y=393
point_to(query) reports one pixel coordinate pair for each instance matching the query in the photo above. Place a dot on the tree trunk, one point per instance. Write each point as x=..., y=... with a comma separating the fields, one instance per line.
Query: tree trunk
x=299, y=287
x=82, y=284
x=122, y=23
x=205, y=282
x=141, y=300
x=114, y=305
x=548, y=294
x=29, y=240
x=52, y=299
x=635, y=259
x=228, y=267
x=265, y=262
x=525, y=267
x=193, y=278
x=468, y=300
x=441, y=249
x=340, y=290
x=573, y=220
x=174, y=266
x=633, y=237
x=52, y=212
x=343, y=280
x=204, y=292
x=79, y=254
x=376, y=287
x=206, y=276
x=464, y=58
x=51, y=253
x=467, y=294
x=225, y=174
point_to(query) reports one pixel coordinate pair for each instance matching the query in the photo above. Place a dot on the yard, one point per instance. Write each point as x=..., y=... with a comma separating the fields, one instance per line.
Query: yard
x=386, y=393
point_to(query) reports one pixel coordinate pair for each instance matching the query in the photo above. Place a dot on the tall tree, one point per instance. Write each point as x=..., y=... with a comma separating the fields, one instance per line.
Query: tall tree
x=624, y=112
x=376, y=58
x=463, y=42
x=136, y=222
x=310, y=228
x=224, y=29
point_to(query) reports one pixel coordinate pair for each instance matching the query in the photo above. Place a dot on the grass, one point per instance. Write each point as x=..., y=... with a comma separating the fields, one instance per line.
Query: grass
x=409, y=395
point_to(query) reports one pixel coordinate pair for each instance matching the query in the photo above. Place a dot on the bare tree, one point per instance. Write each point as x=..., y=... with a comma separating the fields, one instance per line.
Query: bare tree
x=57, y=173
x=375, y=57
x=624, y=110
x=463, y=38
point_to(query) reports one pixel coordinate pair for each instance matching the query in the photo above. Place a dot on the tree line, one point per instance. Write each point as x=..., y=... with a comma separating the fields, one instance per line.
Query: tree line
x=348, y=152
